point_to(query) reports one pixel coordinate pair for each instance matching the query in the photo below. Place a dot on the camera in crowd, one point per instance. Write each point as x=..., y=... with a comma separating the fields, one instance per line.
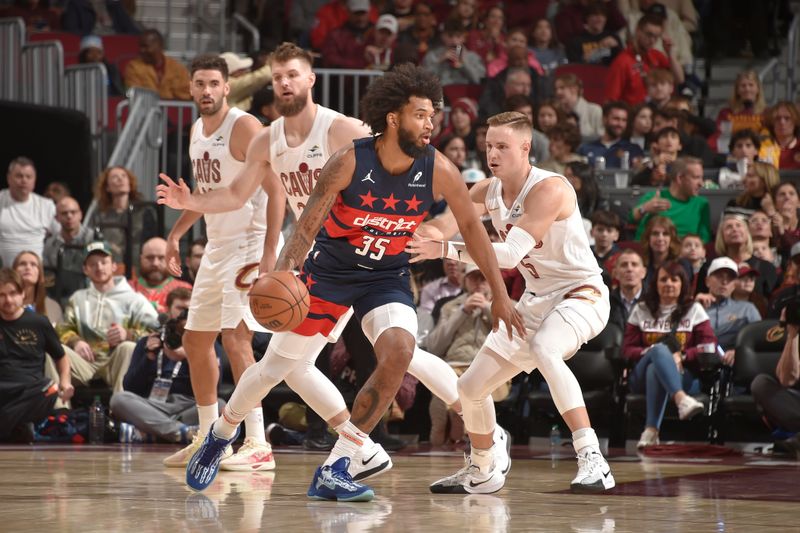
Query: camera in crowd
x=171, y=332
x=793, y=312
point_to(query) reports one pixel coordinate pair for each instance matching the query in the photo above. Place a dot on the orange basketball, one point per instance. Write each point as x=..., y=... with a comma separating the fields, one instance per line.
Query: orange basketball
x=279, y=301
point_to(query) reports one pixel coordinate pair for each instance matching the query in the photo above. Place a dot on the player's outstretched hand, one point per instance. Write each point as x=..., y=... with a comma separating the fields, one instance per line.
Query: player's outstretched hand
x=422, y=249
x=173, y=258
x=503, y=309
x=174, y=195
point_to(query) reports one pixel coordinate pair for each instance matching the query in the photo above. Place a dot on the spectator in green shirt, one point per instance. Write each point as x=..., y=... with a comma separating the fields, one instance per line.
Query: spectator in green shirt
x=680, y=203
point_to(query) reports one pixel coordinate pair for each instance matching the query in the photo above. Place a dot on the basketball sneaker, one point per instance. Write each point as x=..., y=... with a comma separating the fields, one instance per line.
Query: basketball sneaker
x=204, y=464
x=253, y=456
x=181, y=458
x=334, y=483
x=502, y=449
x=594, y=474
x=370, y=461
x=471, y=480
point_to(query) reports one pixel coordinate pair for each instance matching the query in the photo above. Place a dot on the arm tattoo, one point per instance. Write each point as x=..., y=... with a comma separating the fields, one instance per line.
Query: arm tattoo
x=319, y=204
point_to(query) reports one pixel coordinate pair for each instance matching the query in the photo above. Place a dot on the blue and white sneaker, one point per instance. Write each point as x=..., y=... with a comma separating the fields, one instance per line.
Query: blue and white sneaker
x=204, y=464
x=334, y=483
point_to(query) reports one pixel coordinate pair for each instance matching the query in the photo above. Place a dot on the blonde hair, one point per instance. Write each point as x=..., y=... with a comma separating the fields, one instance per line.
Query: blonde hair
x=769, y=176
x=719, y=244
x=737, y=104
x=513, y=119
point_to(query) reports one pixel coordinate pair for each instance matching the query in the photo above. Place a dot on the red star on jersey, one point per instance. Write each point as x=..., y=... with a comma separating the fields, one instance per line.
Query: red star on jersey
x=390, y=202
x=367, y=199
x=309, y=282
x=413, y=204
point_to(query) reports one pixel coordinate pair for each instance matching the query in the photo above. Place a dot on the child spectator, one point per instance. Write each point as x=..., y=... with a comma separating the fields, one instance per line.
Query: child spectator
x=743, y=148
x=660, y=86
x=595, y=45
x=665, y=151
x=546, y=47
x=641, y=126
x=605, y=232
x=693, y=250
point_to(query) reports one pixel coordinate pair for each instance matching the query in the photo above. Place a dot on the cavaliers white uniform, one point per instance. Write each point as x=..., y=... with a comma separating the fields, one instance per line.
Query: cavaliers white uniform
x=298, y=167
x=561, y=275
x=235, y=238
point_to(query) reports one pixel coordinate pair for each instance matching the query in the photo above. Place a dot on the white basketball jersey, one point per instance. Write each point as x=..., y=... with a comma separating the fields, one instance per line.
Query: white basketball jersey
x=298, y=167
x=563, y=257
x=214, y=167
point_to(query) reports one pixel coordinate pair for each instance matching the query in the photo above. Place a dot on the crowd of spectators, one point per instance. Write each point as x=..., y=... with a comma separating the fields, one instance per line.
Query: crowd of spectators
x=678, y=283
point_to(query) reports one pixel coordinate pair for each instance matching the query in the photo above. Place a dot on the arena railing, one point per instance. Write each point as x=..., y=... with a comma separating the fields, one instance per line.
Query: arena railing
x=770, y=68
x=86, y=89
x=12, y=39
x=341, y=89
x=791, y=58
x=41, y=73
x=255, y=35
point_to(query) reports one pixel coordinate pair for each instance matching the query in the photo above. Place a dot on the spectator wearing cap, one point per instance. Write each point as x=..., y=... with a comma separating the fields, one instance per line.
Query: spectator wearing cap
x=675, y=40
x=26, y=218
x=334, y=15
x=379, y=52
x=569, y=97
x=243, y=81
x=462, y=327
x=628, y=72
x=453, y=62
x=103, y=322
x=156, y=71
x=91, y=51
x=345, y=46
x=463, y=114
x=744, y=290
x=727, y=316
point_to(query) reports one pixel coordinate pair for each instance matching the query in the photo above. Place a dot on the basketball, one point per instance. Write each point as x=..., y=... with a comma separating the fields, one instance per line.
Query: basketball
x=279, y=301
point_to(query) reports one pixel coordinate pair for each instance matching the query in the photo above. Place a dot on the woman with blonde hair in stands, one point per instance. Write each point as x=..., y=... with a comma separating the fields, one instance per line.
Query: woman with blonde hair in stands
x=28, y=265
x=745, y=110
x=117, y=196
x=760, y=182
x=734, y=240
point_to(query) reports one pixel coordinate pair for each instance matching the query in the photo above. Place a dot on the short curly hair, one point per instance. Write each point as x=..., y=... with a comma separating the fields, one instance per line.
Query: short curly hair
x=390, y=92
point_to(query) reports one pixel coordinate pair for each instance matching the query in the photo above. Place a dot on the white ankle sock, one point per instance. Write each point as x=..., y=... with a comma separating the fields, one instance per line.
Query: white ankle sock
x=207, y=414
x=350, y=440
x=223, y=428
x=254, y=425
x=583, y=438
x=482, y=458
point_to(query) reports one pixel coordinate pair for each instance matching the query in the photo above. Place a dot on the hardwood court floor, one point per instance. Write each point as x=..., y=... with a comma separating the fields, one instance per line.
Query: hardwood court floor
x=116, y=488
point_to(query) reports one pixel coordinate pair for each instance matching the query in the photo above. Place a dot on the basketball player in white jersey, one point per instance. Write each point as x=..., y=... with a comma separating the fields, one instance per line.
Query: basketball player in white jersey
x=241, y=243
x=298, y=145
x=565, y=303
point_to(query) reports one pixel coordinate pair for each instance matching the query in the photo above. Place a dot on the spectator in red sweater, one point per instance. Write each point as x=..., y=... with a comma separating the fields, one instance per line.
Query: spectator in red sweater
x=333, y=15
x=628, y=72
x=154, y=281
x=664, y=334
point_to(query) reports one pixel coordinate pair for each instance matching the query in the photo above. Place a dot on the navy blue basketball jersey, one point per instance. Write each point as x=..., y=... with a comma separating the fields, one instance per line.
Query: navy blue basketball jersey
x=376, y=214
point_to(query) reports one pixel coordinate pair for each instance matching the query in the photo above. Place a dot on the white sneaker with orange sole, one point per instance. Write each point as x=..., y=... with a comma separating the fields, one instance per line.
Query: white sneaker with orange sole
x=253, y=456
x=181, y=458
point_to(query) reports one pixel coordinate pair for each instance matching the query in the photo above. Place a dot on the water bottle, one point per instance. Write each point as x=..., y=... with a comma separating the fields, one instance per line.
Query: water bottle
x=555, y=437
x=599, y=163
x=97, y=421
x=621, y=178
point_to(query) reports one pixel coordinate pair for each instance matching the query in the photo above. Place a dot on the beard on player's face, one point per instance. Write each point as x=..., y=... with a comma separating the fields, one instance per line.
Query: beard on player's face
x=292, y=107
x=410, y=144
x=208, y=111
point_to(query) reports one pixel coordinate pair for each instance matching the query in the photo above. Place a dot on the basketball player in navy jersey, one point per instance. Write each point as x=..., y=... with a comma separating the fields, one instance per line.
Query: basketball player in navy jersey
x=295, y=148
x=361, y=227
